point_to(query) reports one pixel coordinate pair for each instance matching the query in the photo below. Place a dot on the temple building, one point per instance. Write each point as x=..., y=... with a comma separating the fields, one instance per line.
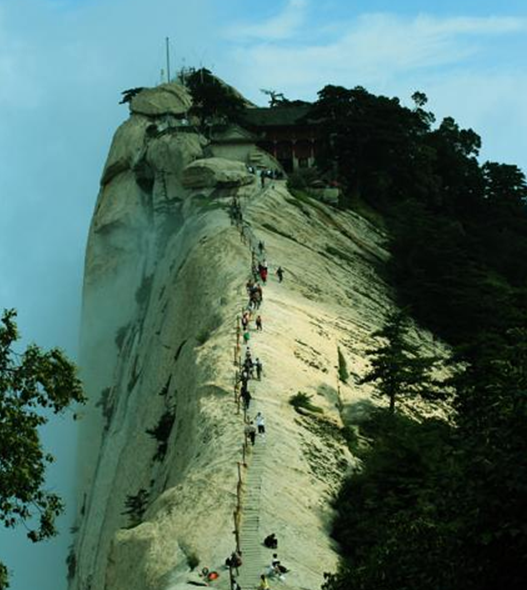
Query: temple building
x=234, y=142
x=281, y=132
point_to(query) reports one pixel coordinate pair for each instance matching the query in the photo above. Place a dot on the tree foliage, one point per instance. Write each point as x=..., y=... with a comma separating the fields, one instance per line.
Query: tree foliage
x=32, y=383
x=275, y=98
x=372, y=144
x=459, y=229
x=386, y=513
x=437, y=504
x=127, y=95
x=212, y=98
x=397, y=369
x=443, y=505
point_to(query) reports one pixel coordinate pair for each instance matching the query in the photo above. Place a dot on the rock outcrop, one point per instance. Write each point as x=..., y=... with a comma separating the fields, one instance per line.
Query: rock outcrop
x=161, y=440
x=167, y=99
x=216, y=172
x=126, y=146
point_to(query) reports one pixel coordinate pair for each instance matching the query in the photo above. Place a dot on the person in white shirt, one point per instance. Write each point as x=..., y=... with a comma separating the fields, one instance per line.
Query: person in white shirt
x=260, y=423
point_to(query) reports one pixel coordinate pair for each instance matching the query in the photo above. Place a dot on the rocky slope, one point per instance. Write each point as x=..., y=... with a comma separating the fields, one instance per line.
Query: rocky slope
x=164, y=285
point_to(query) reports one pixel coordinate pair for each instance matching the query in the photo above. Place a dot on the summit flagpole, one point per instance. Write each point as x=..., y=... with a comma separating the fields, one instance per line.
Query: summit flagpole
x=168, y=58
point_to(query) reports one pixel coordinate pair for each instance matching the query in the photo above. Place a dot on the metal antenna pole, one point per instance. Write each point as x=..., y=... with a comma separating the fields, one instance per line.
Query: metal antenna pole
x=168, y=59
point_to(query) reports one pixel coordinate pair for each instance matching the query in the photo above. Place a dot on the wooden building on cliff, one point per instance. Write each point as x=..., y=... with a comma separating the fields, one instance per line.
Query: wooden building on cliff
x=281, y=131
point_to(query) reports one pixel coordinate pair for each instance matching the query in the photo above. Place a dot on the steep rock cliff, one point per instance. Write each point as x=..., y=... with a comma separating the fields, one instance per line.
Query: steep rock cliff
x=164, y=285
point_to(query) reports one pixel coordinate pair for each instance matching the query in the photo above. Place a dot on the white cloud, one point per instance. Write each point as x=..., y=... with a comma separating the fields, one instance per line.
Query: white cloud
x=450, y=59
x=492, y=103
x=282, y=26
x=374, y=48
x=491, y=25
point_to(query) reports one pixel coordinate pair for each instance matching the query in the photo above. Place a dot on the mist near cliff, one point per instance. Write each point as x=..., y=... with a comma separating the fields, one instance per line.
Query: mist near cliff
x=62, y=66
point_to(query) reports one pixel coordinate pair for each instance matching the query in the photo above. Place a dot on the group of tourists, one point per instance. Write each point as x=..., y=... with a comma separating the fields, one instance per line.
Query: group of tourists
x=256, y=427
x=269, y=175
x=235, y=560
x=246, y=319
x=249, y=367
x=252, y=369
x=275, y=569
x=255, y=293
x=248, y=370
x=251, y=429
x=264, y=174
x=260, y=271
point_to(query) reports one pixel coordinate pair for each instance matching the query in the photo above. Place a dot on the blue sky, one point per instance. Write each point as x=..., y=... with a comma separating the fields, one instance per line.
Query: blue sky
x=63, y=64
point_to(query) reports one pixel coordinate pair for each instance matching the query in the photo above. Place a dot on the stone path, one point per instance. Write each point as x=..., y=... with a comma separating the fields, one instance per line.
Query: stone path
x=254, y=555
x=251, y=535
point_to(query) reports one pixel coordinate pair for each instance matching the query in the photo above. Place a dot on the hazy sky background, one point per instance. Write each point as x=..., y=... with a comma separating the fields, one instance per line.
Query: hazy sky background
x=63, y=64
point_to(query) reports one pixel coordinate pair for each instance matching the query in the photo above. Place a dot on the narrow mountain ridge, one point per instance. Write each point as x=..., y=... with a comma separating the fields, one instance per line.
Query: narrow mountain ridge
x=165, y=286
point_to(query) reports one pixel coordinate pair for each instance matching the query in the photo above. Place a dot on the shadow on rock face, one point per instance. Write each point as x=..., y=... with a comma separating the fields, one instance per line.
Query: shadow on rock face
x=329, y=393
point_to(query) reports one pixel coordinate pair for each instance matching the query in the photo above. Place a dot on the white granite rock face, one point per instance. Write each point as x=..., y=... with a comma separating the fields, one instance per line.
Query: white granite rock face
x=164, y=283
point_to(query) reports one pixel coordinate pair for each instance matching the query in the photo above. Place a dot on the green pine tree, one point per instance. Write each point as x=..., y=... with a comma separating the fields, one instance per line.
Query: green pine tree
x=396, y=367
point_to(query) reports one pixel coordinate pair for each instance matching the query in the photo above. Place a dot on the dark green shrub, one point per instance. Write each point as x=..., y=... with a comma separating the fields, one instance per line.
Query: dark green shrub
x=164, y=391
x=135, y=507
x=303, y=400
x=193, y=560
x=106, y=404
x=143, y=292
x=120, y=336
x=161, y=433
x=204, y=334
x=71, y=564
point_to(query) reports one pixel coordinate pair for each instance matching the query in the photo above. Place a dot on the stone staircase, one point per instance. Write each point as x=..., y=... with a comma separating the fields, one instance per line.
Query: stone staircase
x=251, y=534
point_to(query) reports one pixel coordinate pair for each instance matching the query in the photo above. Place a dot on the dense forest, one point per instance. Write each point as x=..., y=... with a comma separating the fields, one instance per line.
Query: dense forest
x=437, y=504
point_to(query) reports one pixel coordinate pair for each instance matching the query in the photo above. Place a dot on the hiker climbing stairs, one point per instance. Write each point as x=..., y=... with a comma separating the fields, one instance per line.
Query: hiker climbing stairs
x=251, y=534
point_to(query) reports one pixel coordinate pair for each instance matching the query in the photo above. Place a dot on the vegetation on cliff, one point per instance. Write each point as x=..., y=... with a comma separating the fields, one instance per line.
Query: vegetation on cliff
x=397, y=369
x=459, y=228
x=212, y=98
x=31, y=383
x=442, y=505
x=437, y=504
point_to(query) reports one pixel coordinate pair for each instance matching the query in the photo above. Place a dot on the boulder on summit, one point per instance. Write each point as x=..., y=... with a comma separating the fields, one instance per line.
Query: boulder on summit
x=211, y=172
x=165, y=99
